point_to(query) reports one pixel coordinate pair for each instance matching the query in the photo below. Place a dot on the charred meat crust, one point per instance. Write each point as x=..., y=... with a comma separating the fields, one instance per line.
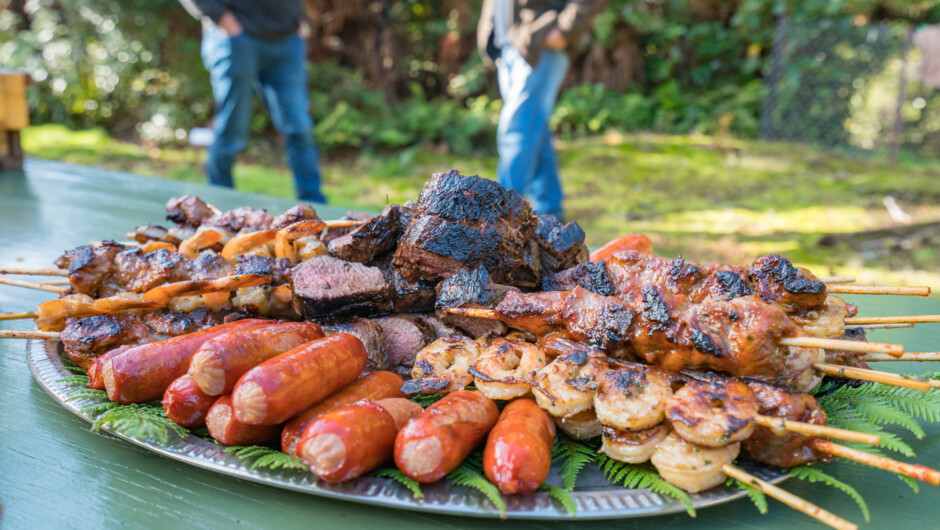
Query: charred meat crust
x=591, y=276
x=188, y=210
x=376, y=236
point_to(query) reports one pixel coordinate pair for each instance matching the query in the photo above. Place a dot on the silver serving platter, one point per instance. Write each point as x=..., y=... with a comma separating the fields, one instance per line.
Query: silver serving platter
x=594, y=496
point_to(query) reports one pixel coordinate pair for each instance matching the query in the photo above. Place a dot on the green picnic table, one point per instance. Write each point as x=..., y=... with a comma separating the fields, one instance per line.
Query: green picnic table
x=55, y=473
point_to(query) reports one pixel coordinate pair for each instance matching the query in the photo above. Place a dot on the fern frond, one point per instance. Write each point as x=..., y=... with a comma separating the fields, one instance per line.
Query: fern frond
x=813, y=475
x=465, y=475
x=426, y=400
x=642, y=476
x=758, y=497
x=884, y=405
x=572, y=456
x=141, y=421
x=69, y=365
x=266, y=457
x=98, y=408
x=390, y=472
x=563, y=497
x=910, y=482
x=889, y=440
x=74, y=380
x=80, y=393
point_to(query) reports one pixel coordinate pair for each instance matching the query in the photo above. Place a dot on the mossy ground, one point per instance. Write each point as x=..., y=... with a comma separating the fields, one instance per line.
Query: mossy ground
x=706, y=198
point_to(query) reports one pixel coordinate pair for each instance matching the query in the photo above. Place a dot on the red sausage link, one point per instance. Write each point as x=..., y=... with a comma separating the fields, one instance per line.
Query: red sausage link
x=185, y=404
x=95, y=375
x=219, y=363
x=434, y=443
x=280, y=388
x=144, y=372
x=227, y=430
x=637, y=242
x=347, y=442
x=518, y=451
x=372, y=387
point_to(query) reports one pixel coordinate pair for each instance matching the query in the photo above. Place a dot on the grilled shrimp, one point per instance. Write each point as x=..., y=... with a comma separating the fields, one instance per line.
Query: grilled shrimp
x=692, y=467
x=631, y=399
x=632, y=447
x=713, y=413
x=803, y=359
x=506, y=367
x=443, y=365
x=581, y=426
x=566, y=386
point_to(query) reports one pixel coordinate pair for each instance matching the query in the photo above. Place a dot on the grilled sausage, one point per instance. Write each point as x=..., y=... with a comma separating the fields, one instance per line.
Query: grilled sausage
x=281, y=387
x=144, y=372
x=352, y=440
x=637, y=242
x=227, y=430
x=435, y=443
x=95, y=375
x=186, y=404
x=372, y=387
x=518, y=451
x=219, y=363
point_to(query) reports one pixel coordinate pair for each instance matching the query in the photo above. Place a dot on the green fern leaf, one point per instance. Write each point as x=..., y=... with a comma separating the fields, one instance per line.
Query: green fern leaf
x=141, y=421
x=563, y=497
x=465, y=475
x=426, y=400
x=813, y=475
x=75, y=380
x=80, y=393
x=757, y=496
x=98, y=408
x=573, y=456
x=399, y=477
x=642, y=476
x=266, y=457
x=883, y=405
x=69, y=365
x=889, y=440
x=910, y=482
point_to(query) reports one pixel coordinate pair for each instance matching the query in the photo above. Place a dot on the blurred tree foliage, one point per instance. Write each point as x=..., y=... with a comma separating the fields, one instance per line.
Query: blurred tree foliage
x=393, y=73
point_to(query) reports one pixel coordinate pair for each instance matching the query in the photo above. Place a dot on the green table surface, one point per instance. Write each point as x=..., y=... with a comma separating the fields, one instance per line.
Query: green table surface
x=54, y=473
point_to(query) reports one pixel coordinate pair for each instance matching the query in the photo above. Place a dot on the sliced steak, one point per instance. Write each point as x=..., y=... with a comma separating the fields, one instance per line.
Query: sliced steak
x=560, y=246
x=367, y=331
x=405, y=336
x=278, y=269
x=376, y=236
x=301, y=212
x=465, y=221
x=440, y=328
x=326, y=286
x=174, y=323
x=242, y=218
x=209, y=266
x=590, y=275
x=139, y=271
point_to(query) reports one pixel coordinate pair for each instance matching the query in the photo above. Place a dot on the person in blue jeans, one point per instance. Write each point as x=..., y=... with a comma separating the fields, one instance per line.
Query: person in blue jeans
x=528, y=40
x=250, y=46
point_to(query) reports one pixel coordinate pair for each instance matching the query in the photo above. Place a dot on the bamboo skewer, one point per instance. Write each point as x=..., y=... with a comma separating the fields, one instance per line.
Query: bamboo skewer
x=910, y=319
x=918, y=356
x=788, y=498
x=837, y=279
x=18, y=316
x=780, y=425
x=885, y=326
x=19, y=334
x=877, y=289
x=33, y=285
x=34, y=272
x=844, y=345
x=885, y=378
x=915, y=471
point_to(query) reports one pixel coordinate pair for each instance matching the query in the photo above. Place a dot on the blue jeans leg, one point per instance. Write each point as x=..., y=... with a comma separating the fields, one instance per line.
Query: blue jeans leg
x=527, y=160
x=284, y=88
x=232, y=66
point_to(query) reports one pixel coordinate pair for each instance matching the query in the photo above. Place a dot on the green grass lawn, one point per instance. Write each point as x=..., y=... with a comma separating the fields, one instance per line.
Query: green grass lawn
x=705, y=198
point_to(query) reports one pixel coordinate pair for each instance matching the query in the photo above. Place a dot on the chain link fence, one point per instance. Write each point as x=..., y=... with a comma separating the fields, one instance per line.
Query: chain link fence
x=849, y=85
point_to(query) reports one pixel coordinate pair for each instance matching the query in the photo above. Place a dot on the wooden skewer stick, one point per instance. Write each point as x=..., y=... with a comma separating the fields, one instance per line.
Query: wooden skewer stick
x=874, y=376
x=33, y=272
x=844, y=345
x=837, y=279
x=918, y=356
x=18, y=316
x=473, y=312
x=18, y=334
x=32, y=285
x=343, y=223
x=877, y=289
x=910, y=319
x=780, y=425
x=789, y=499
x=886, y=326
x=915, y=471
x=58, y=282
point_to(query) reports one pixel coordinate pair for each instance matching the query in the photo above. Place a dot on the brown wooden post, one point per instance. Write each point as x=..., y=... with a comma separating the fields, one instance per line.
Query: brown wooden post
x=14, y=117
